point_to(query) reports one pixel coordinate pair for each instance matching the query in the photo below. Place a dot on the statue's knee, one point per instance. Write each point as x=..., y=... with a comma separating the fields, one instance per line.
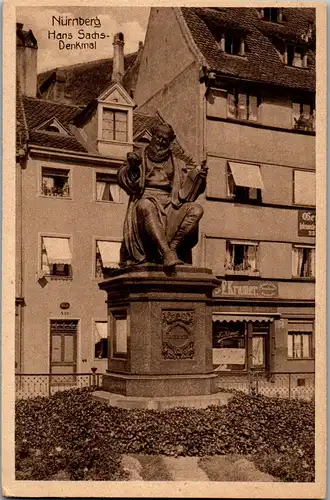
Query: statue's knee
x=144, y=206
x=196, y=210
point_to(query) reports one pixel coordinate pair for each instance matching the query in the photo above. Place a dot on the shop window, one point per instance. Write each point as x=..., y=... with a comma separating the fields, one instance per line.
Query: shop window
x=245, y=183
x=107, y=256
x=242, y=106
x=303, y=116
x=56, y=257
x=101, y=339
x=299, y=345
x=304, y=188
x=107, y=188
x=241, y=257
x=55, y=182
x=114, y=125
x=303, y=262
x=229, y=346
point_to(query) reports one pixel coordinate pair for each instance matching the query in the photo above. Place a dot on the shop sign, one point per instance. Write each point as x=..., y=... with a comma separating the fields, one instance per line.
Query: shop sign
x=265, y=289
x=306, y=223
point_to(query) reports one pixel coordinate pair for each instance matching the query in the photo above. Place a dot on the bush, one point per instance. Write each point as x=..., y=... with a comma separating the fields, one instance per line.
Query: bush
x=70, y=432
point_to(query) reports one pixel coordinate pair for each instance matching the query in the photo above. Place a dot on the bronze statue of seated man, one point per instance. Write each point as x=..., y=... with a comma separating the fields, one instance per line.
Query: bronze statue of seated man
x=161, y=224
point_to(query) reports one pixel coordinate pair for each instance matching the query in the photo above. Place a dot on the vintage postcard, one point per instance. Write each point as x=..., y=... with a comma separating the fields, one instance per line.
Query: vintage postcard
x=164, y=249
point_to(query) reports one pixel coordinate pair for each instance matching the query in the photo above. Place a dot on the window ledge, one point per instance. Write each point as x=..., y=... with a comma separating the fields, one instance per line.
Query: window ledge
x=299, y=359
x=55, y=197
x=64, y=278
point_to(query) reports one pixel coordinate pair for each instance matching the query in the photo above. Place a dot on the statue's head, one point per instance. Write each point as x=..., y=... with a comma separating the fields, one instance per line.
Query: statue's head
x=162, y=136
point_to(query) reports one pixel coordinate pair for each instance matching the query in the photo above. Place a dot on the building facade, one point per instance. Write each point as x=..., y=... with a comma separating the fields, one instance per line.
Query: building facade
x=238, y=87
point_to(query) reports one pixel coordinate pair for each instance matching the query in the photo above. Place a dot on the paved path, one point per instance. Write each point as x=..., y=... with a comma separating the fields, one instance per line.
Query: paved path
x=213, y=468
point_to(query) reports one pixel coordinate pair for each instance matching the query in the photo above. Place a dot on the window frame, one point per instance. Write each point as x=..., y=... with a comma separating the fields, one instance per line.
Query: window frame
x=306, y=247
x=55, y=168
x=312, y=115
x=309, y=335
x=236, y=92
x=95, y=240
x=114, y=110
x=41, y=273
x=233, y=191
x=94, y=330
x=229, y=265
x=112, y=177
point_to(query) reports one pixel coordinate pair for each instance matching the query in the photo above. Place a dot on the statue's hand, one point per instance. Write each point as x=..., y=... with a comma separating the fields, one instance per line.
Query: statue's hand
x=203, y=170
x=133, y=161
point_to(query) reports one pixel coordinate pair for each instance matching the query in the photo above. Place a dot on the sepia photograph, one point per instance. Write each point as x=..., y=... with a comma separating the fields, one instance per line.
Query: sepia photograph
x=164, y=254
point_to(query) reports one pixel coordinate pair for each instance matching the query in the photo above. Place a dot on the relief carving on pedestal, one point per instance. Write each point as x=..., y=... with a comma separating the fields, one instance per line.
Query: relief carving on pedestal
x=178, y=333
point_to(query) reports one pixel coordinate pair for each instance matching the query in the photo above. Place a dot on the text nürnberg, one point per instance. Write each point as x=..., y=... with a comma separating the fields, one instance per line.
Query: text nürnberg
x=82, y=39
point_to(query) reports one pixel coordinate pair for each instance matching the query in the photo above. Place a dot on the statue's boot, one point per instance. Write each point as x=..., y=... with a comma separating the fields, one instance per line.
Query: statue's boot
x=187, y=228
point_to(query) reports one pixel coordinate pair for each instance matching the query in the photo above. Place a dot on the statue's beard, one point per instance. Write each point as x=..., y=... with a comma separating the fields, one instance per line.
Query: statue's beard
x=157, y=154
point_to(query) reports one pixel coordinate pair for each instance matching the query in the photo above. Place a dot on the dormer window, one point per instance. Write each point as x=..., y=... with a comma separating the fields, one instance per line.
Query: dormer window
x=114, y=125
x=52, y=125
x=271, y=14
x=295, y=56
x=232, y=43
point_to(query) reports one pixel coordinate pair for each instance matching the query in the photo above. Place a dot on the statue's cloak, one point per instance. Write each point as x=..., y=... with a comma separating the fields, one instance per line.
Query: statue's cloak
x=133, y=249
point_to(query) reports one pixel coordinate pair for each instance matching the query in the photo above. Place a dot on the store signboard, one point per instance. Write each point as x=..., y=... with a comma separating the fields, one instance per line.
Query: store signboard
x=307, y=223
x=251, y=288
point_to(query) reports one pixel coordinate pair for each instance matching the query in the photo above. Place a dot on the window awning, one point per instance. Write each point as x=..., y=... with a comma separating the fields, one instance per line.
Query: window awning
x=58, y=250
x=110, y=253
x=101, y=330
x=239, y=318
x=246, y=175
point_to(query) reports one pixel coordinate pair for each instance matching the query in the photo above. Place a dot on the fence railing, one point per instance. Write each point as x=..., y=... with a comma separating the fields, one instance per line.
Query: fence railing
x=31, y=385
x=275, y=384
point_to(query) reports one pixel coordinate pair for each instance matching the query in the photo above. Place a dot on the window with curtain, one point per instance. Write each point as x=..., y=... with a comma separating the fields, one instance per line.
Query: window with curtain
x=241, y=257
x=245, y=183
x=299, y=345
x=242, y=106
x=114, y=125
x=100, y=339
x=107, y=256
x=107, y=188
x=303, y=262
x=56, y=257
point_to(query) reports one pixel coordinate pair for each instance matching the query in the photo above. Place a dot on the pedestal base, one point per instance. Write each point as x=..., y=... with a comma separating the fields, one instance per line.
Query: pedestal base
x=160, y=385
x=162, y=403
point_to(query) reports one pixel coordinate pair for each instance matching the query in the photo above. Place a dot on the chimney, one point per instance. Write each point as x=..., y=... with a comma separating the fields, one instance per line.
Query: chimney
x=26, y=60
x=118, y=58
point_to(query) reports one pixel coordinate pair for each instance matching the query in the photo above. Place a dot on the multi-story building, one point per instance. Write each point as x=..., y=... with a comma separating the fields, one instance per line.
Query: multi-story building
x=238, y=87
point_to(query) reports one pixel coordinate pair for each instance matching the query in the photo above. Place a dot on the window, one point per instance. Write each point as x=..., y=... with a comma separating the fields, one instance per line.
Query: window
x=259, y=347
x=296, y=56
x=299, y=345
x=304, y=189
x=107, y=188
x=114, y=126
x=101, y=339
x=241, y=257
x=244, y=182
x=63, y=350
x=242, y=106
x=107, y=256
x=229, y=345
x=303, y=262
x=56, y=257
x=55, y=182
x=272, y=14
x=233, y=43
x=303, y=116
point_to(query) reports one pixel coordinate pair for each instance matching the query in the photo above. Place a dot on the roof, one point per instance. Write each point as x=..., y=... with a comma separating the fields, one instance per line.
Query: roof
x=262, y=62
x=85, y=81
x=39, y=111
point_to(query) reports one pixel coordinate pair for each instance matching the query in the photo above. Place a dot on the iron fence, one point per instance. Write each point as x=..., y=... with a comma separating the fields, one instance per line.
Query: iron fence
x=275, y=384
x=31, y=385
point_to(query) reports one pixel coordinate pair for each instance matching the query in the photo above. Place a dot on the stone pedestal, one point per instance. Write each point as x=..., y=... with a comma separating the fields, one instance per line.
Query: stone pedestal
x=160, y=331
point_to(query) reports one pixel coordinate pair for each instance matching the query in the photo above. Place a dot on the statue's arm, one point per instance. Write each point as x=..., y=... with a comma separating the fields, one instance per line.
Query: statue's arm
x=129, y=173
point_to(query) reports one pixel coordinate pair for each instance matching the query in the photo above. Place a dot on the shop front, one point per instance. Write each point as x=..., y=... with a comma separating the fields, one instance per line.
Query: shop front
x=243, y=343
